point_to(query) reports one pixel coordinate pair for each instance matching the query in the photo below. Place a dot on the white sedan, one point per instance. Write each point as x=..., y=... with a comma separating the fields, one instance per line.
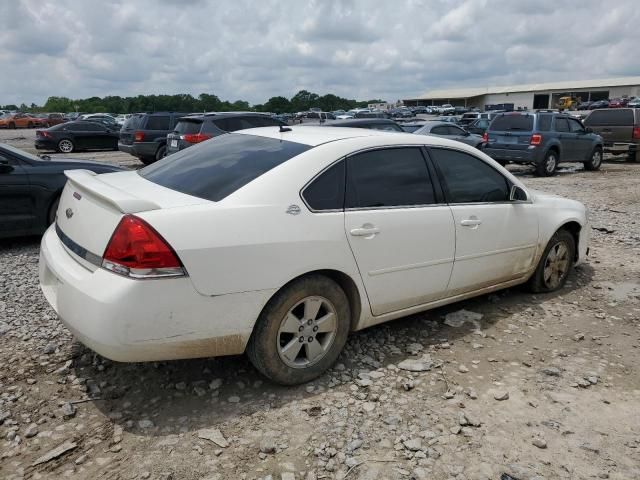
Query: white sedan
x=279, y=242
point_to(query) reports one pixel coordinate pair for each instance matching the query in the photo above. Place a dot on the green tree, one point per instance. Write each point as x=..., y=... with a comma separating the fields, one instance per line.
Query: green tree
x=276, y=105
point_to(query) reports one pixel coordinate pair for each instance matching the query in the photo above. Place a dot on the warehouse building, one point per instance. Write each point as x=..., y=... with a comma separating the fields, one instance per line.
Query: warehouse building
x=533, y=96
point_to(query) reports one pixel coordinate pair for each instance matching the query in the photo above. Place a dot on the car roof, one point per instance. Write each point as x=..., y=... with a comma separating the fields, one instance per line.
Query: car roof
x=318, y=135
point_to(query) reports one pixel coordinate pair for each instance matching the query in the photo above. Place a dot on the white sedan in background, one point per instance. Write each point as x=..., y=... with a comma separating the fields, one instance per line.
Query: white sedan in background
x=279, y=242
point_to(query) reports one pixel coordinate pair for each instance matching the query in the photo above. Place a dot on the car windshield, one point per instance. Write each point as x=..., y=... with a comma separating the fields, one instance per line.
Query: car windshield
x=504, y=123
x=215, y=169
x=18, y=152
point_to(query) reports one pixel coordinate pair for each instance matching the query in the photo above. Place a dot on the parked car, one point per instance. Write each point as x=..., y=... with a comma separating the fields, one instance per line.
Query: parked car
x=634, y=103
x=470, y=117
x=106, y=120
x=20, y=120
x=51, y=119
x=401, y=113
x=452, y=132
x=321, y=115
x=599, y=104
x=78, y=135
x=618, y=102
x=584, y=105
x=543, y=140
x=447, y=109
x=120, y=119
x=198, y=128
x=144, y=135
x=281, y=243
x=74, y=115
x=479, y=126
x=449, y=119
x=385, y=124
x=419, y=109
x=30, y=187
x=620, y=130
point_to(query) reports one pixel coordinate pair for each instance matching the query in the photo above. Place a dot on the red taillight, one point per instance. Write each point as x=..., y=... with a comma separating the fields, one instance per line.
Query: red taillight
x=195, y=137
x=43, y=133
x=136, y=250
x=636, y=133
x=485, y=137
x=536, y=139
x=138, y=136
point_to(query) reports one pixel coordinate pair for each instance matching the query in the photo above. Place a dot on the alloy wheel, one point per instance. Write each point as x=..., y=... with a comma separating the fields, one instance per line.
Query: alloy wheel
x=556, y=265
x=551, y=163
x=596, y=159
x=65, y=146
x=307, y=332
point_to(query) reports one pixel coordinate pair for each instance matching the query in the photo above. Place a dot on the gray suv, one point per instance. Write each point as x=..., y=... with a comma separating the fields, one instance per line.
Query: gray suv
x=144, y=135
x=543, y=139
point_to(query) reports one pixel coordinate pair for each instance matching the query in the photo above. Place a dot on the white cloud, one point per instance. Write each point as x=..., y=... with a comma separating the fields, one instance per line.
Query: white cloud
x=244, y=49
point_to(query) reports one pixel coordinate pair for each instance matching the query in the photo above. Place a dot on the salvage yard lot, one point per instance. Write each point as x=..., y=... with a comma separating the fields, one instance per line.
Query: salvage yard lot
x=543, y=386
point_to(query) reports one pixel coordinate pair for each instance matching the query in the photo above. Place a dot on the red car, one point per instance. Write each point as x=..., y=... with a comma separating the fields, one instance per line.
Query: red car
x=618, y=102
x=51, y=119
x=21, y=120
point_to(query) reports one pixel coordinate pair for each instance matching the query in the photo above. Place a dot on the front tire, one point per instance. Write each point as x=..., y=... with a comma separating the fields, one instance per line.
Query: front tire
x=555, y=264
x=549, y=164
x=301, y=331
x=66, y=146
x=595, y=161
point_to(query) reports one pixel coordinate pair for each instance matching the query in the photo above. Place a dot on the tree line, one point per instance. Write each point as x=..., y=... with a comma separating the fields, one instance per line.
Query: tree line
x=205, y=102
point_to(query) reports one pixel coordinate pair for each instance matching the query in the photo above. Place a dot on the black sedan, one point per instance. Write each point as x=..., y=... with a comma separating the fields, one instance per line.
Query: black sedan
x=30, y=188
x=80, y=135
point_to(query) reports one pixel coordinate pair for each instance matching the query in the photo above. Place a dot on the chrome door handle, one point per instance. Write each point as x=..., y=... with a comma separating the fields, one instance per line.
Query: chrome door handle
x=364, y=231
x=471, y=222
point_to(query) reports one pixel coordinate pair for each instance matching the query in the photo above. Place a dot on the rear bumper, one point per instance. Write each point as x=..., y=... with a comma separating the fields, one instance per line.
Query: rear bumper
x=529, y=155
x=621, y=147
x=45, y=144
x=132, y=320
x=139, y=149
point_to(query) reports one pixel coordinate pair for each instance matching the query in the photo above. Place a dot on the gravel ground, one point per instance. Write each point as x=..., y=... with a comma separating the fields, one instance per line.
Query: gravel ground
x=535, y=387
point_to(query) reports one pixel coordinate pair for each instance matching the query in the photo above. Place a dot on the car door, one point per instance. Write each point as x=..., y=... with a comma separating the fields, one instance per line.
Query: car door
x=401, y=235
x=496, y=239
x=583, y=143
x=16, y=199
x=457, y=133
x=568, y=139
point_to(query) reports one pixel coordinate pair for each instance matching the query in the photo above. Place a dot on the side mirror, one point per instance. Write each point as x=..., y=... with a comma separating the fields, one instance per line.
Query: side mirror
x=517, y=194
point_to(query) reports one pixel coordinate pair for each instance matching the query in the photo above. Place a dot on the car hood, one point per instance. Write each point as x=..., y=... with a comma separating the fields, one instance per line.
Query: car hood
x=555, y=200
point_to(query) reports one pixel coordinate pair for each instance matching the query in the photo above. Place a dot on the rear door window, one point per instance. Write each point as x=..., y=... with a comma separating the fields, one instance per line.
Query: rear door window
x=468, y=179
x=158, y=122
x=613, y=117
x=562, y=125
x=574, y=125
x=544, y=123
x=391, y=177
x=440, y=130
x=505, y=123
x=215, y=169
x=326, y=192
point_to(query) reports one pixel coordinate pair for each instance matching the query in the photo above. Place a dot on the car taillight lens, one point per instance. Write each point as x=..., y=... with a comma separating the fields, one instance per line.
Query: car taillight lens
x=136, y=250
x=195, y=137
x=636, y=133
x=485, y=137
x=536, y=139
x=43, y=133
x=138, y=136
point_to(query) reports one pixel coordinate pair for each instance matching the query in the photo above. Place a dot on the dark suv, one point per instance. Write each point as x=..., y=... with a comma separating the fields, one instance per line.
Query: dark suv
x=543, y=139
x=620, y=129
x=144, y=135
x=194, y=129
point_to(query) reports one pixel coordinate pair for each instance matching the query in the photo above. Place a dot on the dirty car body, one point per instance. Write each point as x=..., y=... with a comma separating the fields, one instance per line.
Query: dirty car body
x=234, y=224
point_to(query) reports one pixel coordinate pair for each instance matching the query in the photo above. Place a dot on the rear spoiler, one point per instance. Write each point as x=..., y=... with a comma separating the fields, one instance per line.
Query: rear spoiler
x=87, y=181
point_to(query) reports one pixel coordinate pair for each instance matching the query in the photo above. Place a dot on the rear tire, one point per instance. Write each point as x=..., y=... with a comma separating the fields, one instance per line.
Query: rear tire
x=147, y=160
x=301, y=332
x=549, y=164
x=161, y=153
x=555, y=264
x=634, y=156
x=595, y=161
x=66, y=146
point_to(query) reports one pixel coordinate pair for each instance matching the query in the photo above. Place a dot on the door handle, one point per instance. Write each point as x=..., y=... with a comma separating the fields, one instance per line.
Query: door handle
x=365, y=231
x=471, y=222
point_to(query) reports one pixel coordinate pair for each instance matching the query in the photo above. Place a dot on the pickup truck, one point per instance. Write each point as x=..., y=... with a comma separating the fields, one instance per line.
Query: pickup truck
x=619, y=129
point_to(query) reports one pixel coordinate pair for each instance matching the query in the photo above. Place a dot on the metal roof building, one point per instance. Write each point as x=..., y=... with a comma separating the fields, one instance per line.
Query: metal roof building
x=531, y=96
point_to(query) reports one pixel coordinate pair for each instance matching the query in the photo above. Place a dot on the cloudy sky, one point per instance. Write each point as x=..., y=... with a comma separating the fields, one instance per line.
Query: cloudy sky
x=255, y=49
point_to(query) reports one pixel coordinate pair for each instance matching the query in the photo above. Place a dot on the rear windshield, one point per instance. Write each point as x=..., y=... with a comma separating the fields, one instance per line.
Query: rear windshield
x=217, y=168
x=512, y=122
x=613, y=117
x=188, y=126
x=132, y=122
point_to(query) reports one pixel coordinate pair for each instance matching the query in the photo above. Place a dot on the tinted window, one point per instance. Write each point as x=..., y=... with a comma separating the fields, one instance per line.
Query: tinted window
x=188, y=126
x=157, y=122
x=544, y=123
x=386, y=127
x=217, y=168
x=574, y=125
x=613, y=117
x=441, y=130
x=388, y=178
x=453, y=130
x=132, y=122
x=327, y=191
x=469, y=179
x=88, y=127
x=512, y=122
x=234, y=124
x=562, y=125
x=264, y=122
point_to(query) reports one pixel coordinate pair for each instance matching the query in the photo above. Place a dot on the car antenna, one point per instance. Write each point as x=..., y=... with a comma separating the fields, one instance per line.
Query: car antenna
x=284, y=129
